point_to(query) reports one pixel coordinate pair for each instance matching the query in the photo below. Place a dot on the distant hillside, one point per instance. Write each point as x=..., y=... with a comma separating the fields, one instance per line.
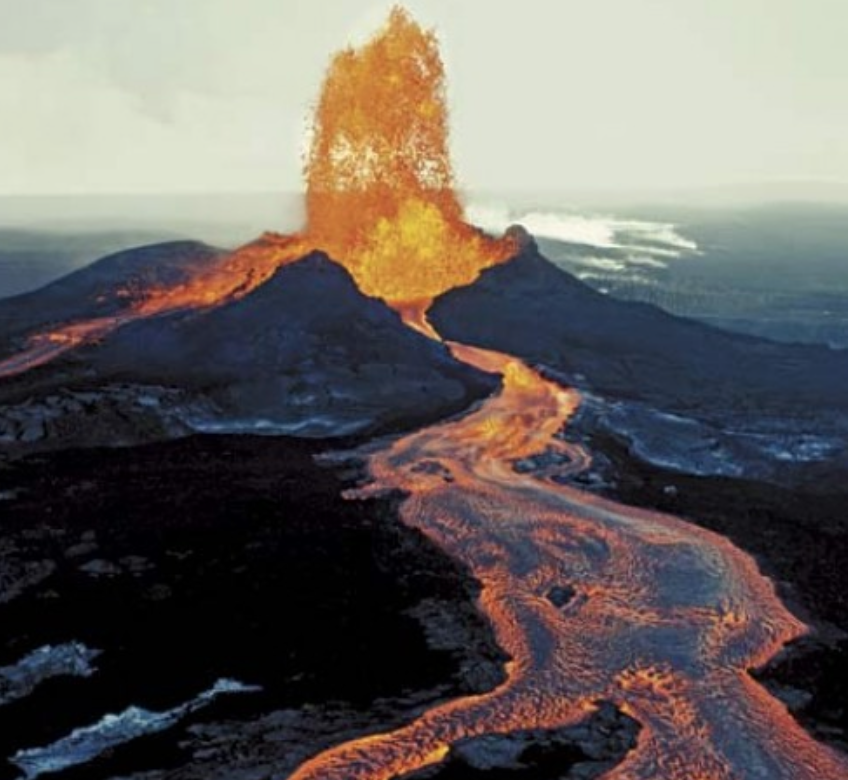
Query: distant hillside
x=530, y=308
x=31, y=258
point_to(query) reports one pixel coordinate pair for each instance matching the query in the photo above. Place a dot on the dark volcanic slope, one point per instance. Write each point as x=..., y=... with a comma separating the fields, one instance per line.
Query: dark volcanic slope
x=102, y=289
x=530, y=308
x=304, y=353
x=306, y=343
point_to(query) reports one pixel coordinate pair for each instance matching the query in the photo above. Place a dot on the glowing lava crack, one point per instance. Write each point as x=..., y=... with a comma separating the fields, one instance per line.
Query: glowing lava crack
x=669, y=618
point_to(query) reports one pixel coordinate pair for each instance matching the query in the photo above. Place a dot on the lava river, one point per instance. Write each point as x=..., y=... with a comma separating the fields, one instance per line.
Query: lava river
x=667, y=619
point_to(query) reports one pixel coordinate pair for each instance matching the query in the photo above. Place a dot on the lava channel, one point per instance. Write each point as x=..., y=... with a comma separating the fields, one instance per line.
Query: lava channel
x=672, y=617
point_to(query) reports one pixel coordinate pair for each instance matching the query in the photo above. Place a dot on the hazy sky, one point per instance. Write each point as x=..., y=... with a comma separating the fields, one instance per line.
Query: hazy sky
x=199, y=95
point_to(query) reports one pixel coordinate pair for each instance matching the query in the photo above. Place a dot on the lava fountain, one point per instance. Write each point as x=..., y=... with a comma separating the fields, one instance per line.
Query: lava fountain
x=380, y=189
x=381, y=195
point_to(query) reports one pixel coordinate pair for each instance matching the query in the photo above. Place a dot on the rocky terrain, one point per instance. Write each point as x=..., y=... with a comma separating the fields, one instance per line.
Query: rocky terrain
x=777, y=449
x=108, y=415
x=137, y=582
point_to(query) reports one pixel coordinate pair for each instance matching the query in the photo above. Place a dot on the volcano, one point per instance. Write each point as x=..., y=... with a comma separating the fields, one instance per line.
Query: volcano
x=110, y=287
x=250, y=345
x=451, y=375
x=305, y=352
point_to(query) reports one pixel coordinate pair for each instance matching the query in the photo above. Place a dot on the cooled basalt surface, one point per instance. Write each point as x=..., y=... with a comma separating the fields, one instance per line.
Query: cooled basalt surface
x=140, y=578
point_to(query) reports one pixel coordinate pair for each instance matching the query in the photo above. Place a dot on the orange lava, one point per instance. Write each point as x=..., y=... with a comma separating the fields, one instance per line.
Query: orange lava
x=47, y=346
x=381, y=196
x=668, y=620
x=239, y=273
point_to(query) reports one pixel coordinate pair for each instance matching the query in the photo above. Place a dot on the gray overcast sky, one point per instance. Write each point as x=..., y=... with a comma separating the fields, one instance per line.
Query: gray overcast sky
x=212, y=95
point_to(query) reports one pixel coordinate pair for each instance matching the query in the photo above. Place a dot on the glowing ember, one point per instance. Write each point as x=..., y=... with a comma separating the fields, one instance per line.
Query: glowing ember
x=381, y=196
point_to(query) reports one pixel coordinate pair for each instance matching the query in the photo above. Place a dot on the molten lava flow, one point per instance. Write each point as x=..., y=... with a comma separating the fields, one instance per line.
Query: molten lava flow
x=668, y=620
x=238, y=274
x=381, y=195
x=47, y=346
